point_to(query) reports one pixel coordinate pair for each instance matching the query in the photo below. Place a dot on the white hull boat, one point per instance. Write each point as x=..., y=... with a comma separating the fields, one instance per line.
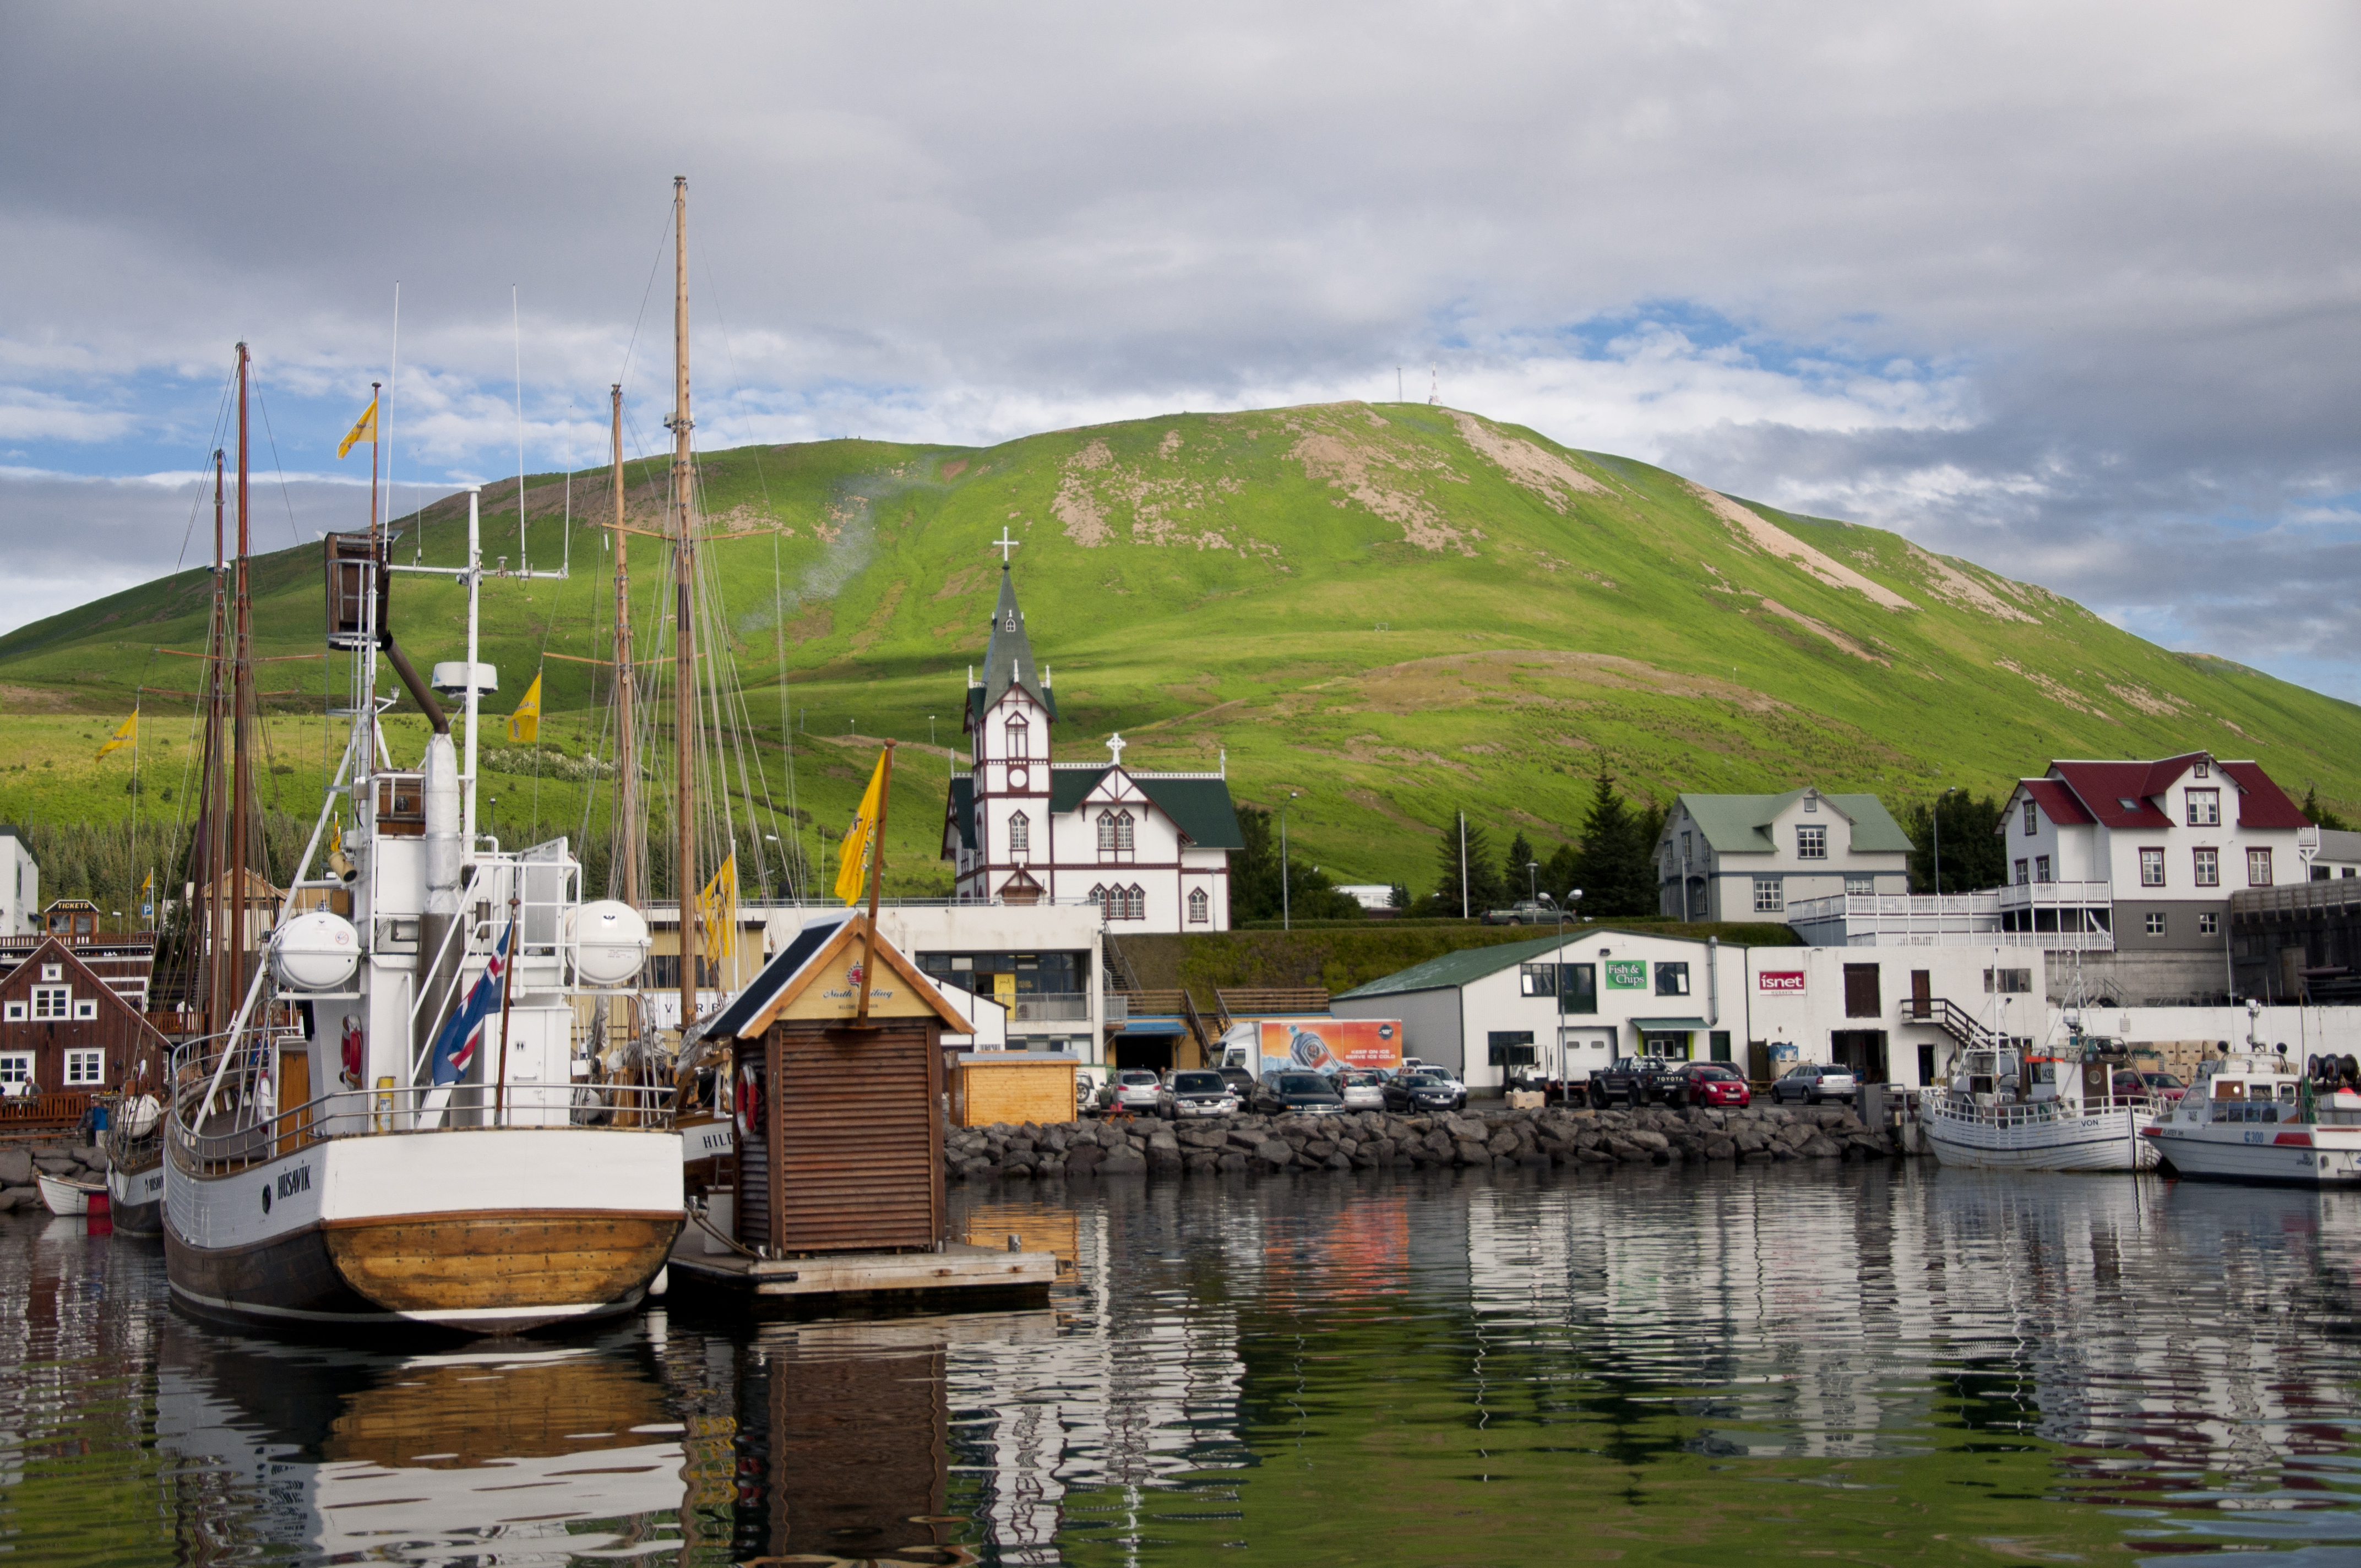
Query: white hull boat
x=2056, y=1109
x=63, y=1198
x=2250, y=1117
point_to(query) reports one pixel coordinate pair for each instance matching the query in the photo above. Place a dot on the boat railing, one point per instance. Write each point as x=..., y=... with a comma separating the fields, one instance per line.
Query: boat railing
x=2040, y=1112
x=244, y=1136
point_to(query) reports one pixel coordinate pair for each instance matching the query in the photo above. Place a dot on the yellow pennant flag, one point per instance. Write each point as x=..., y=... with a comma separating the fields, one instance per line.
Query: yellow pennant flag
x=717, y=911
x=364, y=429
x=524, y=723
x=861, y=838
x=124, y=733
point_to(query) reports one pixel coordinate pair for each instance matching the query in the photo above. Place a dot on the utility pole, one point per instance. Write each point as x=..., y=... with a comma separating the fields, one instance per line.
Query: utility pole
x=242, y=774
x=1463, y=865
x=685, y=630
x=627, y=766
x=1286, y=915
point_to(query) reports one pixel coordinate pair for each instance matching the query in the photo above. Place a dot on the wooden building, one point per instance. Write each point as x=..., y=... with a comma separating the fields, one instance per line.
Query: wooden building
x=125, y=961
x=65, y=1034
x=840, y=1120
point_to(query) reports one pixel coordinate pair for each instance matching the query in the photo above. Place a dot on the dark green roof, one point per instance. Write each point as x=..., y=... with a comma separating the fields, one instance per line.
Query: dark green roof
x=1468, y=964
x=963, y=810
x=1200, y=806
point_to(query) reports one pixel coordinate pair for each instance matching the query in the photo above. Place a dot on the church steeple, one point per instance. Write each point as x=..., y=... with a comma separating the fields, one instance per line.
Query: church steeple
x=1008, y=658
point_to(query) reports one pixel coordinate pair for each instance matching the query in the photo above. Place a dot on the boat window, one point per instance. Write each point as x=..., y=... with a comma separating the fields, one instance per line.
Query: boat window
x=2229, y=1088
x=2287, y=1093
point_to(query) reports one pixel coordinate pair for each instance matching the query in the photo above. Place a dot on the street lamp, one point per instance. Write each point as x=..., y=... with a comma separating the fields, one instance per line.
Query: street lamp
x=1286, y=912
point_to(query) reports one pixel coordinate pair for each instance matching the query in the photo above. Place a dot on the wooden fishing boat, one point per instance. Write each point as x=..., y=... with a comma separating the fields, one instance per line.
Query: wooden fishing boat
x=2054, y=1109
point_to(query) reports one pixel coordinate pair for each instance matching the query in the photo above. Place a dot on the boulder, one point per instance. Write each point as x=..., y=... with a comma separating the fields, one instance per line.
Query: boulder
x=1648, y=1138
x=1468, y=1151
x=1721, y=1148
x=1626, y=1152
x=974, y=1169
x=1198, y=1161
x=1819, y=1148
x=16, y=1168
x=1163, y=1159
x=1230, y=1159
x=56, y=1164
x=1276, y=1152
x=1085, y=1159
x=1502, y=1142
x=1123, y=1161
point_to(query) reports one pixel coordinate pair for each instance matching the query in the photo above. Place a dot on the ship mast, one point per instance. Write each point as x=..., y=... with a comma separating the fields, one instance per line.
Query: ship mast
x=627, y=768
x=241, y=652
x=212, y=864
x=685, y=632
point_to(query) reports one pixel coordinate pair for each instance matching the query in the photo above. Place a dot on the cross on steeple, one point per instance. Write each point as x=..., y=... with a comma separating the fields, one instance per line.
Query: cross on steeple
x=1115, y=749
x=1004, y=544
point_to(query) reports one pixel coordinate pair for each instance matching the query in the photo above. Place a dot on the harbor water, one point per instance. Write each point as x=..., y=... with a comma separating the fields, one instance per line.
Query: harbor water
x=1872, y=1364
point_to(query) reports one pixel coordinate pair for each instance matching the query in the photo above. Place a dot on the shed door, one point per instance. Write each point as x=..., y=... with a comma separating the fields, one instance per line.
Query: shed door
x=1861, y=991
x=860, y=1135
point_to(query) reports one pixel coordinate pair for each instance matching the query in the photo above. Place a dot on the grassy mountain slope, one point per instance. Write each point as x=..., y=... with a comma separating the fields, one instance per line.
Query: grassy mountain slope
x=1393, y=609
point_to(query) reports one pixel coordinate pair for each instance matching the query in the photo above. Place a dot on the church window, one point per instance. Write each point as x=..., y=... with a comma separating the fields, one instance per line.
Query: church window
x=1018, y=734
x=1020, y=834
x=1107, y=832
x=1134, y=902
x=1201, y=908
x=1110, y=901
x=1123, y=832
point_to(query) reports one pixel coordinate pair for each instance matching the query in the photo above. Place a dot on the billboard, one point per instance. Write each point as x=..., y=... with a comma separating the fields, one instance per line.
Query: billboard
x=1332, y=1045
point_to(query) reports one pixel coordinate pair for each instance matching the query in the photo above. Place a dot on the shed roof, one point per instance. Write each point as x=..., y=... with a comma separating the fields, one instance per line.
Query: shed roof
x=1740, y=823
x=797, y=964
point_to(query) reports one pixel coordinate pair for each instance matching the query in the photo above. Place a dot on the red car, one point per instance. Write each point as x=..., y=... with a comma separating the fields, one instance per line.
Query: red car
x=1709, y=1083
x=2163, y=1086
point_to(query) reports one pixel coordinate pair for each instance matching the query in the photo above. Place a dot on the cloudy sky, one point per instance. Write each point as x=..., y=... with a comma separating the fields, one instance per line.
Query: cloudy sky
x=2071, y=290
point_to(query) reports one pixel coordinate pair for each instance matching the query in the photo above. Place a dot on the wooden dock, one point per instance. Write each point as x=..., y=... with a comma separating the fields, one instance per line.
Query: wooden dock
x=958, y=1271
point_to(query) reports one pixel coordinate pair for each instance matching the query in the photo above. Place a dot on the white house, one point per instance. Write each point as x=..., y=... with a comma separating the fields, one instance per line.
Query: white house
x=1748, y=857
x=20, y=886
x=1895, y=1015
x=1150, y=849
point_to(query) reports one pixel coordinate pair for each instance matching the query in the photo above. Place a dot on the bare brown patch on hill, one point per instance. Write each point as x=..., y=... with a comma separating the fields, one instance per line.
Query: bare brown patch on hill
x=1536, y=469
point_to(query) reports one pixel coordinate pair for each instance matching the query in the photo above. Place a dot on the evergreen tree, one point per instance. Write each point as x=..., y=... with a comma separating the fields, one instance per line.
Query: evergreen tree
x=2320, y=816
x=1254, y=879
x=1615, y=866
x=1561, y=873
x=1520, y=881
x=1975, y=855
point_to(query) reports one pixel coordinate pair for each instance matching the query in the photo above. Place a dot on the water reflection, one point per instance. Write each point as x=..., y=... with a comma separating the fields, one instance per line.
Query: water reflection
x=1409, y=1368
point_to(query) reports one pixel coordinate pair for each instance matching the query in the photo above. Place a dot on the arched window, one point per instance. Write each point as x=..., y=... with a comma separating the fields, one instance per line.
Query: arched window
x=1201, y=908
x=1122, y=832
x=1110, y=903
x=1020, y=834
x=1134, y=903
x=1018, y=735
x=1107, y=832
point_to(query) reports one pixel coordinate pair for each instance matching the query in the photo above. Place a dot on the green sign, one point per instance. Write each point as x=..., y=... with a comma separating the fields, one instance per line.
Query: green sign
x=1626, y=974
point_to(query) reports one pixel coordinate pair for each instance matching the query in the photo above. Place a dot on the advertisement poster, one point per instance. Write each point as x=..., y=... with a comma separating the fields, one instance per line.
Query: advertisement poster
x=1332, y=1045
x=1626, y=974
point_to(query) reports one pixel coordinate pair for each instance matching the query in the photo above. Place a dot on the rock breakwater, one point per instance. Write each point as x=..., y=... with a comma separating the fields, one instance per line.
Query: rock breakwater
x=1369, y=1140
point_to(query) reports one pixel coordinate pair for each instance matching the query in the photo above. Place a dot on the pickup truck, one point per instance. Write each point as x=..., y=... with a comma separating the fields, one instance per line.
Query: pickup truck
x=1632, y=1080
x=1524, y=912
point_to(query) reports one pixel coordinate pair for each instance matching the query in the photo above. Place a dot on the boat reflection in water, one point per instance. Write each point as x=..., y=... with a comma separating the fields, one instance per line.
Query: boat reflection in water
x=498, y=1454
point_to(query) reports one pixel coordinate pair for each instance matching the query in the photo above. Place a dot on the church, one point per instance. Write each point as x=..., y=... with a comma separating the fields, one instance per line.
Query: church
x=1151, y=849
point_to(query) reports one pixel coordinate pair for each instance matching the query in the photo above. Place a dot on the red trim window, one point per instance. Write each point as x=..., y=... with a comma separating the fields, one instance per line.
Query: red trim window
x=2258, y=868
x=2209, y=867
x=2151, y=868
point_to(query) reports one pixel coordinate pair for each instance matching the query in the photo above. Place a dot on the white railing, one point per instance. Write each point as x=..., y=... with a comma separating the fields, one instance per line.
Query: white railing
x=1859, y=920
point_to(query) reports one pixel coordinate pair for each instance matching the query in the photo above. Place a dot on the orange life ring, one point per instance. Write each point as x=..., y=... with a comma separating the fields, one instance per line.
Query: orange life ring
x=750, y=1102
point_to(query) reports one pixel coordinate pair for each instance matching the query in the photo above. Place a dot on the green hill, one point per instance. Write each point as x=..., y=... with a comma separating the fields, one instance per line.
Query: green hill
x=1395, y=609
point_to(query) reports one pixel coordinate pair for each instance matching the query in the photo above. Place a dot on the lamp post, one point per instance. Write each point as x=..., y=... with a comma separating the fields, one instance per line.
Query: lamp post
x=1286, y=911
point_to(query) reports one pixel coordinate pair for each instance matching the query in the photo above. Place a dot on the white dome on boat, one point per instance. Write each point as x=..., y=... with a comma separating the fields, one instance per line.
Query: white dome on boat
x=314, y=952
x=610, y=941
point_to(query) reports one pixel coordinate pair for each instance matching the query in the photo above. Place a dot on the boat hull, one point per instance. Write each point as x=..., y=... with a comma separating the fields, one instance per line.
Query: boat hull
x=65, y=1199
x=480, y=1231
x=2265, y=1154
x=2111, y=1141
x=135, y=1198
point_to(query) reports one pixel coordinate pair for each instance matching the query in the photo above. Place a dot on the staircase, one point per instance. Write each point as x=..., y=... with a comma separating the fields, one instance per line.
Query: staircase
x=1952, y=1018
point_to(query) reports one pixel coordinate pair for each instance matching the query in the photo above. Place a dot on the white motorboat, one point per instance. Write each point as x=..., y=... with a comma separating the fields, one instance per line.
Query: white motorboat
x=391, y=1130
x=134, y=1141
x=2010, y=1109
x=66, y=1197
x=2253, y=1116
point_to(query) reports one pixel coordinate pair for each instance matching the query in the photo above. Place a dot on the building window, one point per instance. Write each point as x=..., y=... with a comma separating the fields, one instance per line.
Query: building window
x=1020, y=834
x=2041, y=869
x=1672, y=980
x=1860, y=886
x=1134, y=902
x=2151, y=868
x=1201, y=908
x=1019, y=739
x=2204, y=807
x=1123, y=832
x=1577, y=988
x=13, y=1013
x=1812, y=842
x=87, y=1008
x=2204, y=770
x=85, y=1067
x=1109, y=900
x=1768, y=898
x=1861, y=998
x=1107, y=832
x=2032, y=819
x=2209, y=924
x=2209, y=867
x=2258, y=868
x=2008, y=982
x=15, y=1068
x=2156, y=925
x=52, y=1001
x=53, y=972
x=2021, y=877
x=1505, y=1047
x=1685, y=847
x=1537, y=980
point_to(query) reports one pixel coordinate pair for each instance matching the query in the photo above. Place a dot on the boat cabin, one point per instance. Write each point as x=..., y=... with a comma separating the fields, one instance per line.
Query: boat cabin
x=839, y=1116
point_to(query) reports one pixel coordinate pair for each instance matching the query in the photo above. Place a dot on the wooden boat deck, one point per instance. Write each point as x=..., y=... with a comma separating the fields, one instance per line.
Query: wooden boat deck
x=958, y=1269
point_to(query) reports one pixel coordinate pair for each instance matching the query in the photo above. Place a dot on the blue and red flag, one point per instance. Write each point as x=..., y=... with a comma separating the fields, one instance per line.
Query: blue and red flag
x=454, y=1048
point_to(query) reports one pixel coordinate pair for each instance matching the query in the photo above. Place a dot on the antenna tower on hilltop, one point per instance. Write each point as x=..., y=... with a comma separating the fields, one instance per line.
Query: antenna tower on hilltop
x=1435, y=384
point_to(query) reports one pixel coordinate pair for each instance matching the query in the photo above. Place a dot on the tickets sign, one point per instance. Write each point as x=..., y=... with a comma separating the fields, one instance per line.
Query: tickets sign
x=1787, y=980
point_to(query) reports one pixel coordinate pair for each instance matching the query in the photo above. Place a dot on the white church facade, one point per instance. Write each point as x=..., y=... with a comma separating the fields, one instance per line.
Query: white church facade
x=1151, y=849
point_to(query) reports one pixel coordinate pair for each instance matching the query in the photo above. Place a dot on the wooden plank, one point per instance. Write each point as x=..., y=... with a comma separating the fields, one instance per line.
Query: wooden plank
x=424, y=1263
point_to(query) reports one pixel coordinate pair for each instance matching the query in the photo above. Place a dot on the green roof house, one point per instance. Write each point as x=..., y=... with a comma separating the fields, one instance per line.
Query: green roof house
x=1749, y=856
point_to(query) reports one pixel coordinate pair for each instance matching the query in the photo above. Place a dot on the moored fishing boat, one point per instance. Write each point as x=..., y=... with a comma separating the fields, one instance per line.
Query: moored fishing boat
x=2010, y=1109
x=2253, y=1116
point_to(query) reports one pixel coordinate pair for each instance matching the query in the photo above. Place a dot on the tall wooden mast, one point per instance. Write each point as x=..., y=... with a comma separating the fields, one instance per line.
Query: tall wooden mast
x=685, y=632
x=211, y=823
x=241, y=652
x=627, y=764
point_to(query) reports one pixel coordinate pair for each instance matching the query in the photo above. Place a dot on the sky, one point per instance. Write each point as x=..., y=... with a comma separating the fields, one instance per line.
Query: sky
x=2071, y=291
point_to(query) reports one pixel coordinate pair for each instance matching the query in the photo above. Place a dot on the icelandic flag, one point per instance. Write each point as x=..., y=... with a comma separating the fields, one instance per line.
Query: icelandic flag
x=454, y=1048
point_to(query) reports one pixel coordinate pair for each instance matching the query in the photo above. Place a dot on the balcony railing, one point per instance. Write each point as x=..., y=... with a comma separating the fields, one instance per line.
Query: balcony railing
x=1959, y=919
x=1050, y=1007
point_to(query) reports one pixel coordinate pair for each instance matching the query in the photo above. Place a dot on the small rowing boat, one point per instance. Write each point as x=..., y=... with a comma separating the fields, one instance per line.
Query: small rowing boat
x=64, y=1196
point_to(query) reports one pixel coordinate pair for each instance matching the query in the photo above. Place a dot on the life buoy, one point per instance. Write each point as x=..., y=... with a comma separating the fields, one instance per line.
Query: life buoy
x=750, y=1102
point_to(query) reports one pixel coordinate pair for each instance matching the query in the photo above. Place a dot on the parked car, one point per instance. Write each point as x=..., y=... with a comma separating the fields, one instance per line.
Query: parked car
x=1363, y=1092
x=1283, y=1091
x=2164, y=1086
x=1418, y=1094
x=1813, y=1081
x=1132, y=1092
x=1707, y=1083
x=1524, y=912
x=1240, y=1081
x=1192, y=1093
x=1411, y=1064
x=1630, y=1080
x=1086, y=1093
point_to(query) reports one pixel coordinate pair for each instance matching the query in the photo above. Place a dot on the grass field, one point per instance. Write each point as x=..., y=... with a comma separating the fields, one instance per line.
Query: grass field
x=1396, y=611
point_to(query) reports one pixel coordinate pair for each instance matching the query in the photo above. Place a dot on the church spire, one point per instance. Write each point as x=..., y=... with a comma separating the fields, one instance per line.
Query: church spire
x=1008, y=659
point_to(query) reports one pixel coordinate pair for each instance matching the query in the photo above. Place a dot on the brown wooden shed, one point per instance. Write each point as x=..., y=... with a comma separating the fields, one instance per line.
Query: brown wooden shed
x=65, y=1031
x=840, y=1120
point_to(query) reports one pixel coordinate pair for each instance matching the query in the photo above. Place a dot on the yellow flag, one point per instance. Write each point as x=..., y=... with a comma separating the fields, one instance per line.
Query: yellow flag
x=861, y=838
x=364, y=429
x=124, y=733
x=717, y=911
x=524, y=723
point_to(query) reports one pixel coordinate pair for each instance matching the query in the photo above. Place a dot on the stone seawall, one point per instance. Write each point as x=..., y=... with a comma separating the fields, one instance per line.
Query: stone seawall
x=1366, y=1140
